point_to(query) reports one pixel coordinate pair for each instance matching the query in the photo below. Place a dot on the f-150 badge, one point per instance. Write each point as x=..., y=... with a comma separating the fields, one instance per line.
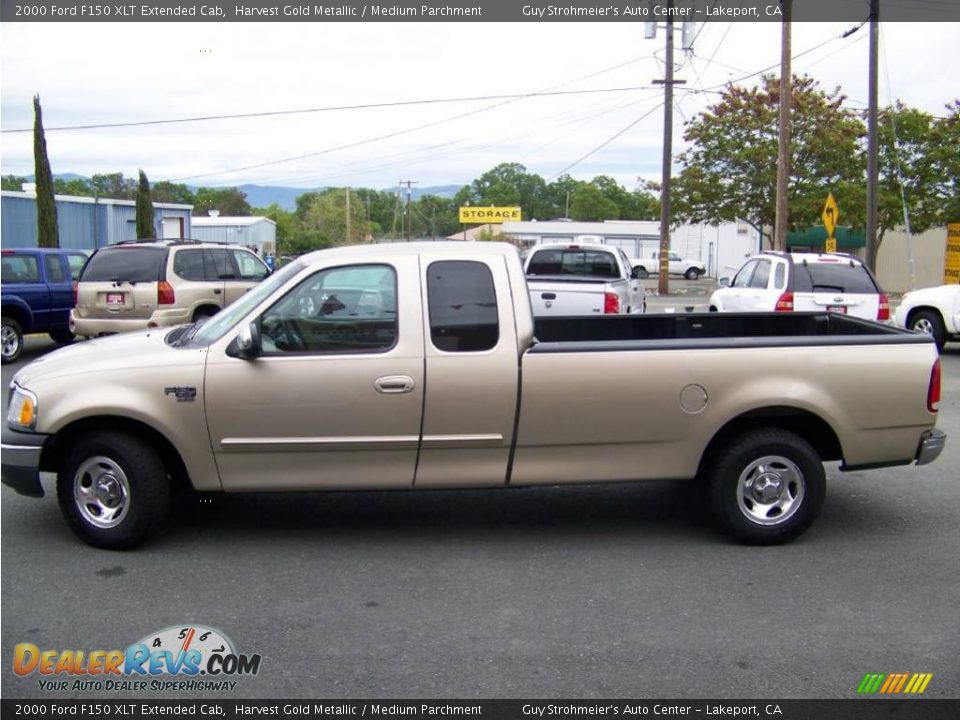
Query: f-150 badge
x=182, y=393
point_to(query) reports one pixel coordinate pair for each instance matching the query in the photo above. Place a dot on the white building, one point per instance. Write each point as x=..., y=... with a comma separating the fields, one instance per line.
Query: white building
x=723, y=248
x=253, y=231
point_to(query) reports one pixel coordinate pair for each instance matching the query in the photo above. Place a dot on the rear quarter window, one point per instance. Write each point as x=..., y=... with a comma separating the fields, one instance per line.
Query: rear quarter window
x=839, y=277
x=125, y=264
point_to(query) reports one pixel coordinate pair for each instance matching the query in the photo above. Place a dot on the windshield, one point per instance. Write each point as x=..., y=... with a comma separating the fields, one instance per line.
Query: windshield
x=125, y=264
x=217, y=326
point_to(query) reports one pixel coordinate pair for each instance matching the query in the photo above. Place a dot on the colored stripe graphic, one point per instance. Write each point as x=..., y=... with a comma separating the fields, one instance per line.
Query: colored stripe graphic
x=894, y=683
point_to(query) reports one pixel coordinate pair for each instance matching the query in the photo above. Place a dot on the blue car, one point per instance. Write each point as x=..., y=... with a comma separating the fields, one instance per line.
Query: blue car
x=38, y=292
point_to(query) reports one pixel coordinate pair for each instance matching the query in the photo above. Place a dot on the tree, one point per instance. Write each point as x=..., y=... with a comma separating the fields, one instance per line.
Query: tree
x=323, y=216
x=231, y=202
x=945, y=161
x=556, y=198
x=12, y=182
x=145, y=227
x=589, y=203
x=114, y=186
x=729, y=172
x=507, y=184
x=47, y=234
x=168, y=192
x=78, y=187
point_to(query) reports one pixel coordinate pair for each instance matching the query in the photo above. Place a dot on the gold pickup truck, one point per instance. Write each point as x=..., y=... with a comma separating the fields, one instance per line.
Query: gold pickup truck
x=415, y=366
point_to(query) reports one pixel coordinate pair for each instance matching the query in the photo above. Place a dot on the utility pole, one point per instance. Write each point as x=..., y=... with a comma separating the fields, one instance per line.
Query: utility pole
x=872, y=166
x=783, y=148
x=408, y=183
x=348, y=216
x=663, y=286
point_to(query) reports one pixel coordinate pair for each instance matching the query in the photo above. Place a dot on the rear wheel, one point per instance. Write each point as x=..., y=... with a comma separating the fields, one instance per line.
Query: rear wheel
x=767, y=487
x=113, y=490
x=692, y=274
x=11, y=340
x=62, y=336
x=930, y=322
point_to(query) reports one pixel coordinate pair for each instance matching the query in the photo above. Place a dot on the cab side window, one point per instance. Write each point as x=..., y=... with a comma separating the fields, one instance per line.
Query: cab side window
x=188, y=264
x=54, y=268
x=462, y=304
x=19, y=269
x=761, y=276
x=76, y=263
x=218, y=265
x=780, y=278
x=742, y=280
x=351, y=309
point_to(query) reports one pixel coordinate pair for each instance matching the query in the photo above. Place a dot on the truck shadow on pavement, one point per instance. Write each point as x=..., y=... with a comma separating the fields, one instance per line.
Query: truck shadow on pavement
x=654, y=508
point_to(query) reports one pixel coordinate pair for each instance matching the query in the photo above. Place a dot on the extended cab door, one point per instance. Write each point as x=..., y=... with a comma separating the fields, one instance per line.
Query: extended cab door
x=335, y=400
x=472, y=370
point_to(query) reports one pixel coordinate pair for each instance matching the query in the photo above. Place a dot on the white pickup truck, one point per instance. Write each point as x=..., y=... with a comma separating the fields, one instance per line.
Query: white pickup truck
x=935, y=311
x=676, y=265
x=583, y=279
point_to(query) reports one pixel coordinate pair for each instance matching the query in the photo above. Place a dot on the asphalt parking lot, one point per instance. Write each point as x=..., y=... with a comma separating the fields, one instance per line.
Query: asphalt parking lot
x=622, y=591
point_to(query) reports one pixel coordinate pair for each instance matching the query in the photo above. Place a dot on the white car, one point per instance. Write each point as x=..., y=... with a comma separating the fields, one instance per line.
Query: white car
x=788, y=282
x=933, y=310
x=676, y=265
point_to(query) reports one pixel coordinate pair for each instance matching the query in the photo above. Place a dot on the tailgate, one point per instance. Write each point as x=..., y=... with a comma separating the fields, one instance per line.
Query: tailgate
x=566, y=298
x=116, y=299
x=856, y=304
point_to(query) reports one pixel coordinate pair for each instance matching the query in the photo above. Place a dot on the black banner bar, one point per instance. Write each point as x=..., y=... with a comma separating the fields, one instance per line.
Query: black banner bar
x=470, y=11
x=854, y=709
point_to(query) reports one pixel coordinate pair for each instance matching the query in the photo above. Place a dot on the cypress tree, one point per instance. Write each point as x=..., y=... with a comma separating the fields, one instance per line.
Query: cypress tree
x=145, y=227
x=47, y=235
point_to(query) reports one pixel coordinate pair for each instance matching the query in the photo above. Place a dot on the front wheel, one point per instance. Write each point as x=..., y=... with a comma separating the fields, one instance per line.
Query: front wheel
x=113, y=490
x=767, y=487
x=692, y=274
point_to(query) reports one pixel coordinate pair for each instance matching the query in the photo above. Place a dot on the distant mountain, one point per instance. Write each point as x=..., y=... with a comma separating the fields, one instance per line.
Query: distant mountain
x=260, y=196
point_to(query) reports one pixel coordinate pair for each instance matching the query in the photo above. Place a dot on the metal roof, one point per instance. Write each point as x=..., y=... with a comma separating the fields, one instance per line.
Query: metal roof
x=625, y=228
x=206, y=220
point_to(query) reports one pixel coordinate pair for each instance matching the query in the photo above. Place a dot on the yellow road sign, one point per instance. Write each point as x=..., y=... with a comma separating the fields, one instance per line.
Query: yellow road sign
x=830, y=245
x=951, y=265
x=831, y=212
x=483, y=215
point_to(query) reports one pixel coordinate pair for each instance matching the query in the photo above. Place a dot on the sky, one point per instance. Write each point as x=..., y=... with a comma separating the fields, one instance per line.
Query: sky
x=111, y=73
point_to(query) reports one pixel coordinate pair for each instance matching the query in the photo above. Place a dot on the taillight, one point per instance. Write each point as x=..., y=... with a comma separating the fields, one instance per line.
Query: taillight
x=784, y=303
x=884, y=312
x=611, y=303
x=76, y=291
x=933, y=392
x=165, y=294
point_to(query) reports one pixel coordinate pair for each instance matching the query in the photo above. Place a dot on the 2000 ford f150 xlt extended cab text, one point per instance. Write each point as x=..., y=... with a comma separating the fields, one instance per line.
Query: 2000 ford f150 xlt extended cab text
x=421, y=366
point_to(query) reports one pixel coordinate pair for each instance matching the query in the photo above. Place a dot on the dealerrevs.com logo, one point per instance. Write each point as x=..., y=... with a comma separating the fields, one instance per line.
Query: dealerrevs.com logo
x=182, y=657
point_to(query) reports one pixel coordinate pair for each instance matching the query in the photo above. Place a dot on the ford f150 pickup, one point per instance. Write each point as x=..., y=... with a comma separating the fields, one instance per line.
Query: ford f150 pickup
x=582, y=279
x=421, y=366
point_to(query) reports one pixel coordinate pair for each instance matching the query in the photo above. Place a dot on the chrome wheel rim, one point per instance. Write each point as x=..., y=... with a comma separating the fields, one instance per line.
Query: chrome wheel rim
x=770, y=490
x=924, y=326
x=101, y=491
x=9, y=340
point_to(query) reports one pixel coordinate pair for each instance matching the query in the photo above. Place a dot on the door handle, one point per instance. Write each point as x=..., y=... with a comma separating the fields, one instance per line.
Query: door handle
x=394, y=384
x=217, y=291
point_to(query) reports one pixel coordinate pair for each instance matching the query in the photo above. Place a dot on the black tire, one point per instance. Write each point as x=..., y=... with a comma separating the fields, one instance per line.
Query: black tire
x=793, y=476
x=62, y=336
x=12, y=341
x=642, y=273
x=692, y=274
x=930, y=322
x=147, y=490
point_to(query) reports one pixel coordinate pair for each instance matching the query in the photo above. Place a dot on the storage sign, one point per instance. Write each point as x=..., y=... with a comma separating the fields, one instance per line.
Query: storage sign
x=481, y=215
x=951, y=261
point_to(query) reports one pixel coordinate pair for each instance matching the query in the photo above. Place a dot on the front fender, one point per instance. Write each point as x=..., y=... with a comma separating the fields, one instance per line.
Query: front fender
x=22, y=310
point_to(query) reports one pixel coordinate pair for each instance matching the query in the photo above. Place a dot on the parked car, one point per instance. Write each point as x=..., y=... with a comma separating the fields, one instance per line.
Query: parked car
x=37, y=292
x=159, y=283
x=399, y=366
x=785, y=282
x=935, y=311
x=676, y=265
x=582, y=279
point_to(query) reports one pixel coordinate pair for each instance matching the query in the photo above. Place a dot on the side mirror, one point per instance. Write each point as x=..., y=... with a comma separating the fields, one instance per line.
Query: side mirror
x=246, y=345
x=635, y=273
x=725, y=282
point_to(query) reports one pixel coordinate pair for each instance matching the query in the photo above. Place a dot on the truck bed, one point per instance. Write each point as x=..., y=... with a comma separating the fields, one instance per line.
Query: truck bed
x=711, y=330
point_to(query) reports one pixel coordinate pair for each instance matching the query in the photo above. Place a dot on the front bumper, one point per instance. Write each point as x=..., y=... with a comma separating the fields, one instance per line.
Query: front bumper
x=931, y=445
x=20, y=465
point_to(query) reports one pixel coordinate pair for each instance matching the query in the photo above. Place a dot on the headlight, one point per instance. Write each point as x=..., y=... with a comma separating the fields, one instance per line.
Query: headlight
x=22, y=411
